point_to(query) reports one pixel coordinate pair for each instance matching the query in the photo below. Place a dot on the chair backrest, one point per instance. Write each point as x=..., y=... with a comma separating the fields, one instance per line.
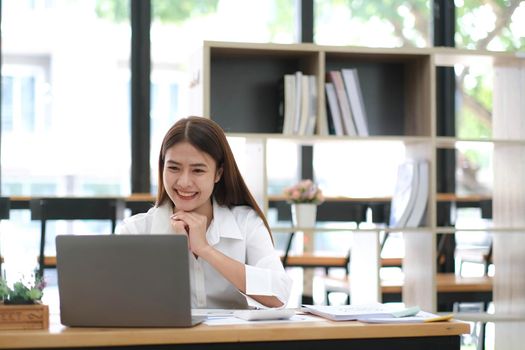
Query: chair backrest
x=77, y=208
x=5, y=206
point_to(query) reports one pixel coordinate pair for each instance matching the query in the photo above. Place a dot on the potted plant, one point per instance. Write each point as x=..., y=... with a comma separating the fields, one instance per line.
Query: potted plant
x=22, y=294
x=304, y=198
x=21, y=306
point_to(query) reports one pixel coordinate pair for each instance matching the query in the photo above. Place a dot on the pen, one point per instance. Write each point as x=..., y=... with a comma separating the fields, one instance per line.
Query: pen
x=439, y=318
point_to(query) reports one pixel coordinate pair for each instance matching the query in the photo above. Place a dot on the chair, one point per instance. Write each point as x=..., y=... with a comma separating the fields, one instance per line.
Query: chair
x=5, y=207
x=45, y=209
x=341, y=285
x=481, y=256
x=312, y=261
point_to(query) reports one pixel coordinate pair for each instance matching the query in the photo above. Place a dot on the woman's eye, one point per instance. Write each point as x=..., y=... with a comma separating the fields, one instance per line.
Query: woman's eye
x=173, y=168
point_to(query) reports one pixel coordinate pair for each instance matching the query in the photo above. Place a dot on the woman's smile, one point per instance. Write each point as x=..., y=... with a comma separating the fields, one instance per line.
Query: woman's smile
x=186, y=195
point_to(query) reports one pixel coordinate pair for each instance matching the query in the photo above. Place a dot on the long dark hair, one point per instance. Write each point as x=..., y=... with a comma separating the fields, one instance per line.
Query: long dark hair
x=207, y=136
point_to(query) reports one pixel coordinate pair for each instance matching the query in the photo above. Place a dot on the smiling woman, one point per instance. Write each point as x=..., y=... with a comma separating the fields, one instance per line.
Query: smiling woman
x=203, y=195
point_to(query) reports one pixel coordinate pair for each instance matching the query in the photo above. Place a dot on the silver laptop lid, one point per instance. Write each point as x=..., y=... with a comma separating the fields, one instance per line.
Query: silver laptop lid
x=124, y=280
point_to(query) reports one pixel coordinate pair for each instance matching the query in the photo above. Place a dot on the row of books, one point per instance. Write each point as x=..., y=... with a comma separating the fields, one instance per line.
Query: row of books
x=409, y=201
x=346, y=109
x=298, y=108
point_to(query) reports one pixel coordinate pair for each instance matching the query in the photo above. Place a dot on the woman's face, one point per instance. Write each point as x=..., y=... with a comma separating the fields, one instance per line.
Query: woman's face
x=189, y=177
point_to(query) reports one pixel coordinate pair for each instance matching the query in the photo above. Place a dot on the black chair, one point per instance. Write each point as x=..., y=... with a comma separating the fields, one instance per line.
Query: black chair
x=45, y=209
x=5, y=207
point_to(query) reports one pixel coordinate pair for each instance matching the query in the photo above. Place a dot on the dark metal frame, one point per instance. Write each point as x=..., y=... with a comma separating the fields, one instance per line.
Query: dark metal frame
x=140, y=95
x=444, y=29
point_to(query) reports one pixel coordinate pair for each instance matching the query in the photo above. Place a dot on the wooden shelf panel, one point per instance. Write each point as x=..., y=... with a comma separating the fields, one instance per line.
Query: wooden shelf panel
x=315, y=139
x=452, y=142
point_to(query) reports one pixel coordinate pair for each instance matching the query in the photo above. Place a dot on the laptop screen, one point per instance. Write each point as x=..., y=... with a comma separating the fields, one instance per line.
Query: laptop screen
x=124, y=280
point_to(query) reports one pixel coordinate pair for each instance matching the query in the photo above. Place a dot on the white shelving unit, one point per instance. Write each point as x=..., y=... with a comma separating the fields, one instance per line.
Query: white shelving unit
x=237, y=88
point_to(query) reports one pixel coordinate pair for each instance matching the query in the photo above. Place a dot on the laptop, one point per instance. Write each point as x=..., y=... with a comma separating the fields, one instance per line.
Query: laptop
x=124, y=281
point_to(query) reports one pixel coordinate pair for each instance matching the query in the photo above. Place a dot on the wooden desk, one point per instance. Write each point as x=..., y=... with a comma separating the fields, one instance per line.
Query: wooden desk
x=312, y=335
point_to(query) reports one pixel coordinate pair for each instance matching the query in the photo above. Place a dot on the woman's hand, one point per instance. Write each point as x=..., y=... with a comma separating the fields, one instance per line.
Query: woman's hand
x=194, y=225
x=179, y=226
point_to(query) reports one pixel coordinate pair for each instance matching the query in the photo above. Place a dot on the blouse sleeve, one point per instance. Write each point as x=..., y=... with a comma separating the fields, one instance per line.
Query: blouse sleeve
x=133, y=225
x=265, y=274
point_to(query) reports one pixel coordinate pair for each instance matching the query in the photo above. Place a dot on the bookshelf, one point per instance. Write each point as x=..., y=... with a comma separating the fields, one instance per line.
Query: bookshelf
x=238, y=89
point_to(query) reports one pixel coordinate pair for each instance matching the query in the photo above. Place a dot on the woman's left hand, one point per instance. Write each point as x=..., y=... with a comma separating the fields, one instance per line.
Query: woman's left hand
x=196, y=227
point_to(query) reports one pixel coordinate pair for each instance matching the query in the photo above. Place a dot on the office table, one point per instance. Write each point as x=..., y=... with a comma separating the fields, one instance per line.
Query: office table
x=323, y=334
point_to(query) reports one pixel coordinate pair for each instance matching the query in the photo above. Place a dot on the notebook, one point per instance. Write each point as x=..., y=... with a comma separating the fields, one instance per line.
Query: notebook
x=124, y=281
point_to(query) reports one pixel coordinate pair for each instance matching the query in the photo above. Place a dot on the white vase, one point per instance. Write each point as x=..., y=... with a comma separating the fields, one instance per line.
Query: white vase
x=304, y=214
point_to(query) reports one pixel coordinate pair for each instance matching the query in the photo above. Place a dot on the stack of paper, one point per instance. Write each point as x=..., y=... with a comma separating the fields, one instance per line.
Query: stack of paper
x=374, y=313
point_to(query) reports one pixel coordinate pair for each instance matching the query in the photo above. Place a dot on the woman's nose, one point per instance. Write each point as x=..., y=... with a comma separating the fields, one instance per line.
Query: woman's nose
x=184, y=179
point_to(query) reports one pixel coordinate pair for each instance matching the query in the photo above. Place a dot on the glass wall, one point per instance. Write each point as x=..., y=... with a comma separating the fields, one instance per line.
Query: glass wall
x=386, y=23
x=177, y=31
x=65, y=114
x=490, y=25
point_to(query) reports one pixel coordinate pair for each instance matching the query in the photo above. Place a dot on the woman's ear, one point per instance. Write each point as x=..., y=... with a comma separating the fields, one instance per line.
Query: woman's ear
x=218, y=174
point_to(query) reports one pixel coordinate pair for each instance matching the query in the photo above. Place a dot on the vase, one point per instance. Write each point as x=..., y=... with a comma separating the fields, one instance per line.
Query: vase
x=304, y=214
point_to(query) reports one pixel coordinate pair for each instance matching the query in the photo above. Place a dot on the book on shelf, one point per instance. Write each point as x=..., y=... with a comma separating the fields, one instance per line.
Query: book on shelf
x=361, y=312
x=355, y=98
x=312, y=105
x=298, y=104
x=410, y=196
x=287, y=104
x=336, y=78
x=333, y=109
x=305, y=105
x=420, y=202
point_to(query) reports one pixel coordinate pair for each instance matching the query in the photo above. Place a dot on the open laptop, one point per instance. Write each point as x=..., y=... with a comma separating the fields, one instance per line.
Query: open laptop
x=124, y=281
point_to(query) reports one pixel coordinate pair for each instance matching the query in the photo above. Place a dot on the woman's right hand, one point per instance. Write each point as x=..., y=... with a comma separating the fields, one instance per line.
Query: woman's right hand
x=179, y=226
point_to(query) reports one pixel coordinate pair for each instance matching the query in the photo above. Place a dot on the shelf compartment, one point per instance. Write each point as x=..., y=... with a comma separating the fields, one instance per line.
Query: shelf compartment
x=396, y=90
x=244, y=86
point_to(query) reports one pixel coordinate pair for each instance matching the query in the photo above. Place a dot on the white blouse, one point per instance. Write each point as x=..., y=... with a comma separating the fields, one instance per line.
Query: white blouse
x=238, y=233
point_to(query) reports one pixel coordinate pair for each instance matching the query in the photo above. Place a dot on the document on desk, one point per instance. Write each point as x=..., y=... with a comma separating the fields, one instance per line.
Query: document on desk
x=222, y=321
x=361, y=312
x=420, y=317
x=218, y=317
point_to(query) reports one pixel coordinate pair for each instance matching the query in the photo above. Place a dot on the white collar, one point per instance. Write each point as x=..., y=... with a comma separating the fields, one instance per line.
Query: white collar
x=223, y=224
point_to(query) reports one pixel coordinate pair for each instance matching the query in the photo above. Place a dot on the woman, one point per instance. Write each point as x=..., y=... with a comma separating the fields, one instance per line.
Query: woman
x=203, y=195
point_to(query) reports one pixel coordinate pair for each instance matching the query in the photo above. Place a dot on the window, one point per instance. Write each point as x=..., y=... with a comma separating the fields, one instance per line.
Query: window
x=65, y=113
x=386, y=23
x=65, y=118
x=490, y=25
x=178, y=29
x=25, y=92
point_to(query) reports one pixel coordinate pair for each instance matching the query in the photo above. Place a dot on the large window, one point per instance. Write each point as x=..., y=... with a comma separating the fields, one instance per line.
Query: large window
x=373, y=23
x=177, y=31
x=481, y=25
x=65, y=115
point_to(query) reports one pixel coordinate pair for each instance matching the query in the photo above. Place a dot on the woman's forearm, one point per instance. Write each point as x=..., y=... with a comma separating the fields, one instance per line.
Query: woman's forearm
x=235, y=272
